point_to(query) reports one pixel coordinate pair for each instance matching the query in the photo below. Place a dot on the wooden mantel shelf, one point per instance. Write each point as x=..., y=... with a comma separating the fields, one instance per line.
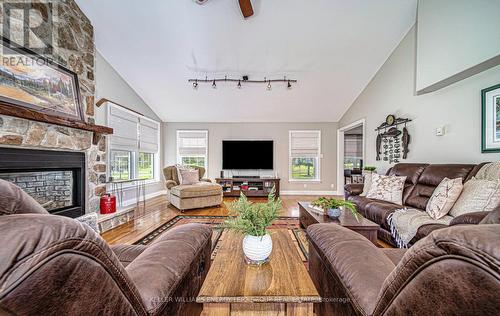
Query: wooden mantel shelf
x=97, y=130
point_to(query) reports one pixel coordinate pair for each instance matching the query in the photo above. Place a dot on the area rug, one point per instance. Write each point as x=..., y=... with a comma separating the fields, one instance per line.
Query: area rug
x=297, y=235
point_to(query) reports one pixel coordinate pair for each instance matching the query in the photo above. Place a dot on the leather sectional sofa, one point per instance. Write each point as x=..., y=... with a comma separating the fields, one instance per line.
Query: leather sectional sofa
x=421, y=180
x=53, y=265
x=453, y=271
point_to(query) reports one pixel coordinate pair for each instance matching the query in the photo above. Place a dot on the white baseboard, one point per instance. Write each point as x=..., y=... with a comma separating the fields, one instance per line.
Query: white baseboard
x=284, y=192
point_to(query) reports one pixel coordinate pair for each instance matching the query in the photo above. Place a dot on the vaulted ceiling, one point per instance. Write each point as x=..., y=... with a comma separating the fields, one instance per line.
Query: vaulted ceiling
x=332, y=47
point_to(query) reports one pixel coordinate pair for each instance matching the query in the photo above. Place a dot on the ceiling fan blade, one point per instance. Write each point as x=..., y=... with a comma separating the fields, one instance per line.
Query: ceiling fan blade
x=246, y=8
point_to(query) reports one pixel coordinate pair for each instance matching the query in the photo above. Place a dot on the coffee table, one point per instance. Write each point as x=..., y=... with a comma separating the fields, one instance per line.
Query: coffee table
x=280, y=287
x=367, y=228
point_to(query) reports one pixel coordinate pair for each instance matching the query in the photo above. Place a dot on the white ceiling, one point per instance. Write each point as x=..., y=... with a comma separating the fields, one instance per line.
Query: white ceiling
x=332, y=47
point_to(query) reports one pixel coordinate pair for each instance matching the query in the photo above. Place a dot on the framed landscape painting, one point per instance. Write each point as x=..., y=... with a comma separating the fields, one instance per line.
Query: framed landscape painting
x=490, y=134
x=30, y=81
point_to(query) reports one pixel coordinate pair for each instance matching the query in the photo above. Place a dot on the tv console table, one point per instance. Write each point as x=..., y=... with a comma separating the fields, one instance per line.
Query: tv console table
x=251, y=187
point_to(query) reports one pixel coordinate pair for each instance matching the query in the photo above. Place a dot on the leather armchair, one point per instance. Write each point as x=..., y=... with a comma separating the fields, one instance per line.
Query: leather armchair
x=453, y=271
x=54, y=265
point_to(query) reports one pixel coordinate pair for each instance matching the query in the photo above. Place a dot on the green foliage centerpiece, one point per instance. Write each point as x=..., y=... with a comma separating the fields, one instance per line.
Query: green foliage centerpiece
x=253, y=219
x=332, y=206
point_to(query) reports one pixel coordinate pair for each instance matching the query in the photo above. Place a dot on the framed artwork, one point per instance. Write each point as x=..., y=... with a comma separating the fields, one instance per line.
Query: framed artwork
x=31, y=81
x=490, y=134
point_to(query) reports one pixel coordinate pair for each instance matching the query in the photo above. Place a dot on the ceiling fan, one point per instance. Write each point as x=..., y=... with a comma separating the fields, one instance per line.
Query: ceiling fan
x=245, y=6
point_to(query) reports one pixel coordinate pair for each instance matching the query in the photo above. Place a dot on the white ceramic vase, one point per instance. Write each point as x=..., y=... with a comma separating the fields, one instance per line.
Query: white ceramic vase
x=257, y=249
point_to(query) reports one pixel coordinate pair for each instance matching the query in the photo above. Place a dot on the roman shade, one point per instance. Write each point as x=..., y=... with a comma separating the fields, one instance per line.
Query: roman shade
x=305, y=144
x=192, y=143
x=353, y=146
x=124, y=124
x=148, y=136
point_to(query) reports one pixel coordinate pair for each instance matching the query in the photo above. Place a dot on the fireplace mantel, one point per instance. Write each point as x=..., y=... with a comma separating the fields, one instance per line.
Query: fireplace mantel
x=97, y=130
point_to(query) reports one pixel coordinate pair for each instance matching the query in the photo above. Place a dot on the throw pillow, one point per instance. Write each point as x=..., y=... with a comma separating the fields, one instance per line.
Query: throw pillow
x=90, y=220
x=387, y=188
x=179, y=168
x=477, y=196
x=490, y=171
x=444, y=197
x=367, y=183
x=190, y=176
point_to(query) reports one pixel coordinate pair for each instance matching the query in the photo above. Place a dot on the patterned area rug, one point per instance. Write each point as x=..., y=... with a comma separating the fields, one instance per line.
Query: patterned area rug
x=297, y=234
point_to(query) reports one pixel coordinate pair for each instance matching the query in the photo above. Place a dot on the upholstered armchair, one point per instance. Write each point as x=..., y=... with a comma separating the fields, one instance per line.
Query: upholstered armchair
x=54, y=265
x=191, y=196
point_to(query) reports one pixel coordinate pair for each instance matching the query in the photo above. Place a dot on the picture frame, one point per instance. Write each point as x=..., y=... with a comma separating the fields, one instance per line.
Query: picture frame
x=36, y=83
x=490, y=122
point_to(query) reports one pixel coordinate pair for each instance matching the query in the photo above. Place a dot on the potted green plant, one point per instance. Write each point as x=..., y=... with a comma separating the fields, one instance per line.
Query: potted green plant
x=331, y=206
x=369, y=169
x=253, y=219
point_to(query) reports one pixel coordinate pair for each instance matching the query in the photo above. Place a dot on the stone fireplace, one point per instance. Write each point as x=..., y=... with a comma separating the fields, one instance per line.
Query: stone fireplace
x=73, y=36
x=55, y=179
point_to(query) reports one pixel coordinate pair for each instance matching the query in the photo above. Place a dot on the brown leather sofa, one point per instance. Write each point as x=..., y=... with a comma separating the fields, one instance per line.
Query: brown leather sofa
x=53, y=265
x=421, y=180
x=453, y=271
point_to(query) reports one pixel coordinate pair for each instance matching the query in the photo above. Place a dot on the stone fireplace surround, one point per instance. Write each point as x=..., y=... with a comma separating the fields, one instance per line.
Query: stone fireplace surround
x=73, y=49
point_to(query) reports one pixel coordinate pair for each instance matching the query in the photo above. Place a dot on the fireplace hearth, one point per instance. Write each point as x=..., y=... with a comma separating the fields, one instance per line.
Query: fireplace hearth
x=56, y=179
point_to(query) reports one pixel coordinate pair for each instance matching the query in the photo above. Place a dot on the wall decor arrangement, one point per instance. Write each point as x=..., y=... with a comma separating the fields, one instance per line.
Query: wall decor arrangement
x=392, y=140
x=490, y=127
x=31, y=81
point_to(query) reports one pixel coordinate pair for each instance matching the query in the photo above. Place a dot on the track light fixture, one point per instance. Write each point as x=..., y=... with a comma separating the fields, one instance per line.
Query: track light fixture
x=241, y=81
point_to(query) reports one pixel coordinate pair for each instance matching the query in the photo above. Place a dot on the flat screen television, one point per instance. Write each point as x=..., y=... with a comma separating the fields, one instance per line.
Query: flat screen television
x=247, y=154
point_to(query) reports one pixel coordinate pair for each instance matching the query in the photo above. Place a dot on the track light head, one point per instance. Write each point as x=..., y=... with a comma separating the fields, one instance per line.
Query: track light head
x=239, y=84
x=195, y=85
x=289, y=85
x=214, y=85
x=269, y=86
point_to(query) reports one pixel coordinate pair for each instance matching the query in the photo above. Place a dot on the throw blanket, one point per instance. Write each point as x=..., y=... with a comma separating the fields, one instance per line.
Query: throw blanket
x=404, y=224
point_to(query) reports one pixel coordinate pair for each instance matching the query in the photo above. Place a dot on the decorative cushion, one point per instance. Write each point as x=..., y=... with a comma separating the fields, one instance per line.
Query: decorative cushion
x=90, y=220
x=198, y=189
x=444, y=197
x=367, y=183
x=187, y=175
x=490, y=171
x=477, y=196
x=387, y=188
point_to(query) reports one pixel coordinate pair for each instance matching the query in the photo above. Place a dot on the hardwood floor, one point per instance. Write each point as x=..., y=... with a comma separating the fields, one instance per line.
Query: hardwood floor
x=159, y=211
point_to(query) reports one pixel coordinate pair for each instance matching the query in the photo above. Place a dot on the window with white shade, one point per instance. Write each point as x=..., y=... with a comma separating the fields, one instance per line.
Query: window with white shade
x=134, y=145
x=304, y=158
x=192, y=148
x=353, y=151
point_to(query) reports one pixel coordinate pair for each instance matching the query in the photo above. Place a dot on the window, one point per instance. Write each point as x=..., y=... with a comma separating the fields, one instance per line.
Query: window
x=133, y=146
x=353, y=151
x=192, y=148
x=305, y=151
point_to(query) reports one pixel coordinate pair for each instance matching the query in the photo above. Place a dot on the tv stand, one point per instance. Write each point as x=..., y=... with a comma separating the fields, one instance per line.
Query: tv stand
x=250, y=186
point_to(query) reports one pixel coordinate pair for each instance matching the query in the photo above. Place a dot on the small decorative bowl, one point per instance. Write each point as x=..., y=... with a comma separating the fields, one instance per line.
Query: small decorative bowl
x=334, y=213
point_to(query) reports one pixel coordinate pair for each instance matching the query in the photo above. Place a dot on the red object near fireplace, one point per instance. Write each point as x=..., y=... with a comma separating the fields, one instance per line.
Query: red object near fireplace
x=108, y=204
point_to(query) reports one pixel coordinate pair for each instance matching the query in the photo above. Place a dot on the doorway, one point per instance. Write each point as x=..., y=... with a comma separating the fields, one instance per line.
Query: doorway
x=350, y=154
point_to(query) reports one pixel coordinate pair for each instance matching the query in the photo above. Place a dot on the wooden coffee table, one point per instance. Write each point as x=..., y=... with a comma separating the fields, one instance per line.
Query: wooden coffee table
x=365, y=227
x=280, y=287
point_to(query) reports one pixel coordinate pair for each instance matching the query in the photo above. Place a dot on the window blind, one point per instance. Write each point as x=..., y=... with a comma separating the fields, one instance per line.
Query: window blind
x=305, y=144
x=192, y=143
x=148, y=136
x=124, y=126
x=353, y=146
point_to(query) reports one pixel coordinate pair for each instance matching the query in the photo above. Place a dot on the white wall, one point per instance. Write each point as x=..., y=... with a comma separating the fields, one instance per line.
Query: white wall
x=454, y=38
x=456, y=107
x=110, y=85
x=279, y=132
